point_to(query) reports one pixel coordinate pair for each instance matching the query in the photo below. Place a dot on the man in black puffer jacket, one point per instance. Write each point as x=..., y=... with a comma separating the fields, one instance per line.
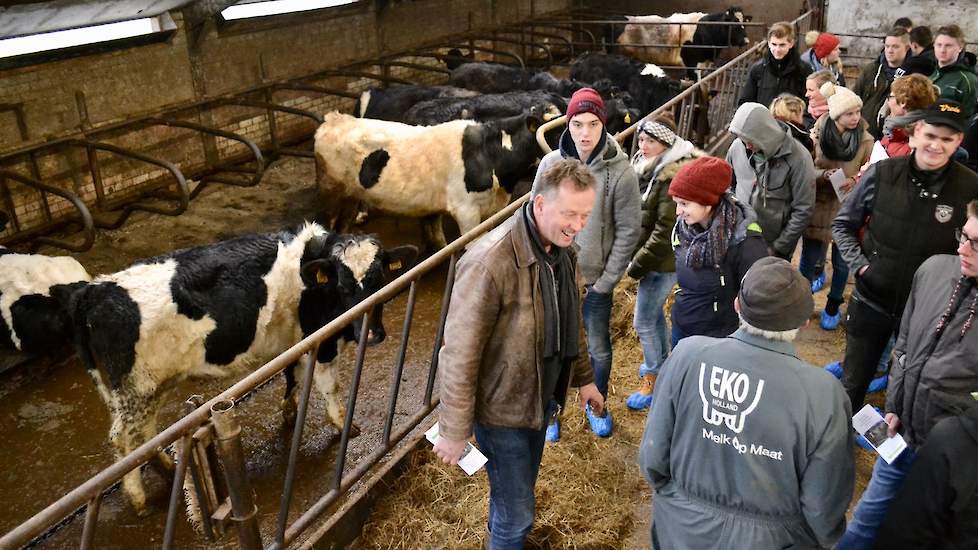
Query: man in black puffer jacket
x=913, y=204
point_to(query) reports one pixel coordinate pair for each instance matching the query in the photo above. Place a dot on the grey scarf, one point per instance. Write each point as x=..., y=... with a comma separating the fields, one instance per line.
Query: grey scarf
x=837, y=145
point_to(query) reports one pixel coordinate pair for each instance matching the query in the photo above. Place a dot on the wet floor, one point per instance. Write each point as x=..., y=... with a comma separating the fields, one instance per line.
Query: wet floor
x=54, y=426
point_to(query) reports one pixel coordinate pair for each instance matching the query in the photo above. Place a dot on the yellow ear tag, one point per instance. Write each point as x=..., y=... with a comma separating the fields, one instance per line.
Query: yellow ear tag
x=321, y=277
x=394, y=266
x=628, y=118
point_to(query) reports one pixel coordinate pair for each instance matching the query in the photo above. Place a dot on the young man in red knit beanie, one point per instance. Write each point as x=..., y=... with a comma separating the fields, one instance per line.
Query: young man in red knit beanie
x=608, y=239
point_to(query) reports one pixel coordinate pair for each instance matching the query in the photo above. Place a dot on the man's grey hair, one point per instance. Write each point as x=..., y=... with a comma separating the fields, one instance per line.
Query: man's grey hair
x=776, y=335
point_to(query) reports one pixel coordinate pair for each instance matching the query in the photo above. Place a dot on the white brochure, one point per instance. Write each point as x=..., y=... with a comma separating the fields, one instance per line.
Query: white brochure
x=878, y=154
x=838, y=179
x=472, y=458
x=871, y=425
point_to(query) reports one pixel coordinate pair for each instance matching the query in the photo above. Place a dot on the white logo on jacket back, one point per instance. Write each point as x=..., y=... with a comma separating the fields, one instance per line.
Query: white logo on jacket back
x=728, y=396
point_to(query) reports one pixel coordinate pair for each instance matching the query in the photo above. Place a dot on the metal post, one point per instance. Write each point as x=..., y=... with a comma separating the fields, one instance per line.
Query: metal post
x=91, y=520
x=243, y=509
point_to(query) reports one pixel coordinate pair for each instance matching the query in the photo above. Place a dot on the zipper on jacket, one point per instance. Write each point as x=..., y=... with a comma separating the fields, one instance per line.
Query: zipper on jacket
x=553, y=288
x=716, y=297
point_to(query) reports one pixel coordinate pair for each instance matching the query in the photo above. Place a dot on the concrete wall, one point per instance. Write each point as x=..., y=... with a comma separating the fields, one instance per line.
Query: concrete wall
x=874, y=17
x=64, y=97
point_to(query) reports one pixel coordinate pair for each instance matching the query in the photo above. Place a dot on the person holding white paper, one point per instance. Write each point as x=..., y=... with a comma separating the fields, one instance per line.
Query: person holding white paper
x=514, y=343
x=933, y=373
x=842, y=146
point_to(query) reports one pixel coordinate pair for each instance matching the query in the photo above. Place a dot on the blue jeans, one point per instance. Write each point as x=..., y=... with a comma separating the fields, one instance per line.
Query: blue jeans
x=596, y=311
x=677, y=335
x=514, y=460
x=875, y=502
x=650, y=320
x=812, y=264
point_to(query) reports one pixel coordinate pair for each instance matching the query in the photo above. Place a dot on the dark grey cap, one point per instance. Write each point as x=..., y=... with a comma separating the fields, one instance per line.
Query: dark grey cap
x=775, y=296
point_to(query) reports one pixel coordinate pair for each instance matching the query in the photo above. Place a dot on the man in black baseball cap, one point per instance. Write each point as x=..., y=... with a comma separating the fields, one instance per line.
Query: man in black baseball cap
x=946, y=112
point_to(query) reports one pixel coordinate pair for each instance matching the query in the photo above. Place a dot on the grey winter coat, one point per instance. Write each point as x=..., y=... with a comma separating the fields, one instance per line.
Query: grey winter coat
x=747, y=446
x=779, y=184
x=612, y=232
x=927, y=385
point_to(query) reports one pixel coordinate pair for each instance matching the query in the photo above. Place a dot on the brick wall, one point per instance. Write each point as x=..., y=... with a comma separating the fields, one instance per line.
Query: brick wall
x=62, y=98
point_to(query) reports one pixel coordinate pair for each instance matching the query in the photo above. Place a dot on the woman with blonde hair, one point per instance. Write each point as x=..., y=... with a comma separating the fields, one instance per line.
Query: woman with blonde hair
x=817, y=104
x=790, y=111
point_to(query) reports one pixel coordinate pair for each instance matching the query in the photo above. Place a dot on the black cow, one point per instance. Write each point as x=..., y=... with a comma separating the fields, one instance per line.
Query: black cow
x=391, y=103
x=648, y=87
x=726, y=36
x=486, y=107
x=221, y=310
x=33, y=318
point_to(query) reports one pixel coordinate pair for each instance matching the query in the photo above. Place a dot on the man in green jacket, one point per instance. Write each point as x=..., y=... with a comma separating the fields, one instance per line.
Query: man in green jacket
x=955, y=78
x=873, y=85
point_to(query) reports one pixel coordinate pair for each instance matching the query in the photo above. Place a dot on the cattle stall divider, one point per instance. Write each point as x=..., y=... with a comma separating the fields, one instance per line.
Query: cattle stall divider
x=723, y=84
x=195, y=426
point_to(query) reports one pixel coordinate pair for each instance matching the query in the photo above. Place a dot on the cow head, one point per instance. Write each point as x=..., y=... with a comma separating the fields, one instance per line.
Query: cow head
x=738, y=34
x=511, y=147
x=339, y=271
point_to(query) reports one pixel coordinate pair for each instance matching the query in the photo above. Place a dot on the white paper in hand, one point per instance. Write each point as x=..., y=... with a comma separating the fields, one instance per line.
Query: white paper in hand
x=472, y=459
x=838, y=179
x=871, y=425
x=878, y=154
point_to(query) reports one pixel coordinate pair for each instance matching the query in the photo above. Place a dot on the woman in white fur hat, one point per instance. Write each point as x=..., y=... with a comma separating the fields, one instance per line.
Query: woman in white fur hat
x=841, y=143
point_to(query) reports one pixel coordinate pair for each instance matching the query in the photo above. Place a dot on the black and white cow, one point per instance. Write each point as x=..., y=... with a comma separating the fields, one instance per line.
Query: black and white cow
x=647, y=84
x=718, y=37
x=486, y=107
x=391, y=103
x=33, y=318
x=462, y=168
x=221, y=310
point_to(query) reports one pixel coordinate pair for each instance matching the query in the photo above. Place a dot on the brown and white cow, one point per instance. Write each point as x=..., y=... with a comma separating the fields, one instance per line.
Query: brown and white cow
x=462, y=168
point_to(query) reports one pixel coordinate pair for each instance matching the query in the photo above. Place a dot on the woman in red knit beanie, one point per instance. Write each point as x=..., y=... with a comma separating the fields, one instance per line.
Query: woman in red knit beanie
x=715, y=241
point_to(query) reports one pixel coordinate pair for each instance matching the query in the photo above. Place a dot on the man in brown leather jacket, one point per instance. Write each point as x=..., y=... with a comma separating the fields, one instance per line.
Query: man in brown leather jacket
x=514, y=342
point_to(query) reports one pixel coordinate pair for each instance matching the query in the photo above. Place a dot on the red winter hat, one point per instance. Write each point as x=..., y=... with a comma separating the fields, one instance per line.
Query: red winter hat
x=825, y=44
x=702, y=181
x=586, y=100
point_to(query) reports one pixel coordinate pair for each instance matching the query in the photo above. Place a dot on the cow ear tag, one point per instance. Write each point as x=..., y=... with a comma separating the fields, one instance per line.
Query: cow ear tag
x=321, y=277
x=628, y=118
x=394, y=266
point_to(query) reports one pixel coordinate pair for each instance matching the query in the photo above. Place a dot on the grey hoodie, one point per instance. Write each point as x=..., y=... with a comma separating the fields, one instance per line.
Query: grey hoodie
x=612, y=232
x=747, y=446
x=778, y=183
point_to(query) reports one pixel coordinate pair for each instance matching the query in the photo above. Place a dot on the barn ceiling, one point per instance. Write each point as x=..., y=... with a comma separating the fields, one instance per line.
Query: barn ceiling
x=23, y=17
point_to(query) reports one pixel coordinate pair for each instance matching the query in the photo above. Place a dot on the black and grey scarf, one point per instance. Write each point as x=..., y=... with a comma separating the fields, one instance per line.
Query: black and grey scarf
x=841, y=146
x=560, y=297
x=707, y=247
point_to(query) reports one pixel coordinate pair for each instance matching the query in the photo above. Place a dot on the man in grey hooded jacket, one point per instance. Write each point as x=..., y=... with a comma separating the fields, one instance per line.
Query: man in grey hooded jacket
x=610, y=236
x=775, y=175
x=747, y=446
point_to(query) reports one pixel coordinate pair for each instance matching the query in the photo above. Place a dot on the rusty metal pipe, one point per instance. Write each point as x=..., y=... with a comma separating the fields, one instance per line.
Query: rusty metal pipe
x=244, y=511
x=300, y=421
x=398, y=370
x=91, y=522
x=446, y=301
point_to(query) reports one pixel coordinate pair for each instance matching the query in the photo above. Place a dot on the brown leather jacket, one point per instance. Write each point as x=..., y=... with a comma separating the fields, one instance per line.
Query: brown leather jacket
x=492, y=357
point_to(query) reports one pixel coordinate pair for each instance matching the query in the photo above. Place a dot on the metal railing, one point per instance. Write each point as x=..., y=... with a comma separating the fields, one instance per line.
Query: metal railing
x=186, y=433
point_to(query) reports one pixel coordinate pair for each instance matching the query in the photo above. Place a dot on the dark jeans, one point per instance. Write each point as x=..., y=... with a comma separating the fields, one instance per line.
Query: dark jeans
x=812, y=264
x=514, y=461
x=596, y=311
x=677, y=335
x=867, y=333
